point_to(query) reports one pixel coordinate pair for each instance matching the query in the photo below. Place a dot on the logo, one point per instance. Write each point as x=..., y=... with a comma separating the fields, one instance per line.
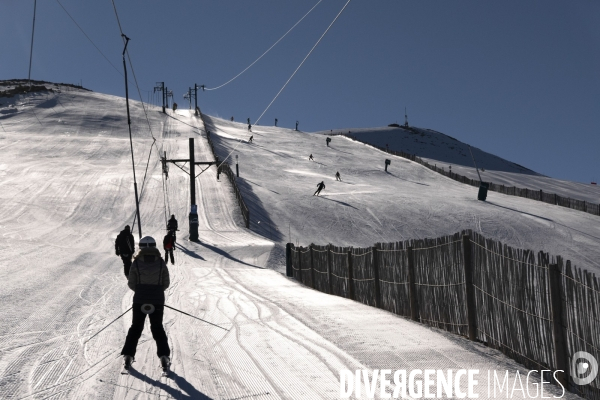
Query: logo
x=584, y=368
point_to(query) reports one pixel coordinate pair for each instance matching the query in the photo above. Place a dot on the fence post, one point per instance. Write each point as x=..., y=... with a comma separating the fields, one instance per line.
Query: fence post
x=329, y=281
x=300, y=264
x=288, y=259
x=312, y=268
x=559, y=339
x=350, y=277
x=412, y=288
x=468, y=270
x=585, y=206
x=376, y=277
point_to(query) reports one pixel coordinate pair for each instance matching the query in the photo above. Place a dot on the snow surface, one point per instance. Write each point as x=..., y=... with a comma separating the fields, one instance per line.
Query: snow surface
x=66, y=190
x=370, y=205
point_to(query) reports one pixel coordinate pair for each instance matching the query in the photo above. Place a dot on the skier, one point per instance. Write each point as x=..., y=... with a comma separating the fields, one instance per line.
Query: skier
x=297, y=125
x=169, y=246
x=249, y=127
x=250, y=140
x=125, y=247
x=174, y=106
x=148, y=278
x=172, y=226
x=320, y=186
x=275, y=121
x=310, y=158
x=232, y=118
x=327, y=141
x=338, y=177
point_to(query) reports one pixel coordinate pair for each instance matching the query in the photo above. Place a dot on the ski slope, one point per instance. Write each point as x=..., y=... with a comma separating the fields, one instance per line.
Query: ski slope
x=447, y=152
x=66, y=190
x=370, y=205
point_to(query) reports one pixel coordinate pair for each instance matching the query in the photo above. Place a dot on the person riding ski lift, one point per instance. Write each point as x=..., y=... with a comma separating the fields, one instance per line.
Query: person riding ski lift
x=320, y=186
x=125, y=247
x=169, y=246
x=172, y=226
x=148, y=278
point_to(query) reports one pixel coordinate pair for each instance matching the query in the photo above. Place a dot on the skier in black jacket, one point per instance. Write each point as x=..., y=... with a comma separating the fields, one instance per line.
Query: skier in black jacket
x=148, y=278
x=172, y=226
x=320, y=186
x=125, y=247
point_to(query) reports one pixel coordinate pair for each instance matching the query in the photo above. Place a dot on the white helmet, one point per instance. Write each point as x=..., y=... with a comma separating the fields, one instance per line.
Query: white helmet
x=147, y=241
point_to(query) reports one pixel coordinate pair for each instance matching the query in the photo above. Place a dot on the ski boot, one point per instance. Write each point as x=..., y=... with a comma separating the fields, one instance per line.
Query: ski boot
x=127, y=361
x=165, y=363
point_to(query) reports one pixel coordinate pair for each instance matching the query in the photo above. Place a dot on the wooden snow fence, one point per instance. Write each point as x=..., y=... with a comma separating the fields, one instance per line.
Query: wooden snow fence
x=533, y=194
x=539, y=310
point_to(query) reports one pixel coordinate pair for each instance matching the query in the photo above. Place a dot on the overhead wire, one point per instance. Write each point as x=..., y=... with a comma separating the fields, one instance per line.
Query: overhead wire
x=269, y=49
x=88, y=38
x=305, y=58
x=294, y=73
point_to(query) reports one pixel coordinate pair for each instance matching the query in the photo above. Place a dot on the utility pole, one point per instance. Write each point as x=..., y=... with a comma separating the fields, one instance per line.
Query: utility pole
x=168, y=93
x=188, y=96
x=31, y=49
x=160, y=87
x=137, y=201
x=193, y=217
x=196, y=97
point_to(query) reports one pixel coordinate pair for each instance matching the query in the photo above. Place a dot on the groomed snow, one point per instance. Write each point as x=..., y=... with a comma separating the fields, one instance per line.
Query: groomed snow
x=66, y=190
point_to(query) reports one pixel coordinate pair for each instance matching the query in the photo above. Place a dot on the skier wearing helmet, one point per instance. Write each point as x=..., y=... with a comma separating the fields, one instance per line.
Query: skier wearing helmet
x=148, y=278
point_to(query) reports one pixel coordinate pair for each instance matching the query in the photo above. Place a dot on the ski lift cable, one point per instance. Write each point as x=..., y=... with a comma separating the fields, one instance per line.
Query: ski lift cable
x=143, y=107
x=269, y=49
x=88, y=38
x=305, y=58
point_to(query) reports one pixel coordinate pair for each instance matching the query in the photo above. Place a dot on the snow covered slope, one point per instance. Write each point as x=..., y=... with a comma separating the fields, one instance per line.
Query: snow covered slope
x=447, y=152
x=370, y=205
x=427, y=143
x=66, y=189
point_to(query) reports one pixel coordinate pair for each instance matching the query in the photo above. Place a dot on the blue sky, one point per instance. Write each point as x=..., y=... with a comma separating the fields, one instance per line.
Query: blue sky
x=515, y=78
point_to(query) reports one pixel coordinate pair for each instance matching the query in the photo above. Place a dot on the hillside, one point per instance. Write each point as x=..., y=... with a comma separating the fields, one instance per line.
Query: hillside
x=370, y=205
x=66, y=189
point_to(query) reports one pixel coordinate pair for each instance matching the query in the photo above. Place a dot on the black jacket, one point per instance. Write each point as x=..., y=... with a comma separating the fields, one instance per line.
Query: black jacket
x=125, y=243
x=172, y=224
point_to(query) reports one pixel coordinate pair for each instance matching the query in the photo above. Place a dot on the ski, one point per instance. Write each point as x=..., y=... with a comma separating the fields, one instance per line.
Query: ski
x=124, y=371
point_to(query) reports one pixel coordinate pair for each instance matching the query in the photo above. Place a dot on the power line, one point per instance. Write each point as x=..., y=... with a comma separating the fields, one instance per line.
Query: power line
x=309, y=53
x=269, y=49
x=88, y=38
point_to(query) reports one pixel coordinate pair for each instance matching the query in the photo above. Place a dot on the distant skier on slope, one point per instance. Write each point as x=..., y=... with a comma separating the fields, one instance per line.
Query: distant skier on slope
x=327, y=141
x=125, y=247
x=320, y=186
x=250, y=140
x=169, y=246
x=310, y=158
x=148, y=278
x=249, y=127
x=338, y=177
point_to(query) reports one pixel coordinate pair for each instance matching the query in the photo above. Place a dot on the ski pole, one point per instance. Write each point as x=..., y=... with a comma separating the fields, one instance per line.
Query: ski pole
x=108, y=325
x=196, y=318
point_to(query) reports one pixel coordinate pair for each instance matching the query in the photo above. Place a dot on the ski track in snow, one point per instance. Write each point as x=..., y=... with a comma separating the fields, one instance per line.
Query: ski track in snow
x=69, y=191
